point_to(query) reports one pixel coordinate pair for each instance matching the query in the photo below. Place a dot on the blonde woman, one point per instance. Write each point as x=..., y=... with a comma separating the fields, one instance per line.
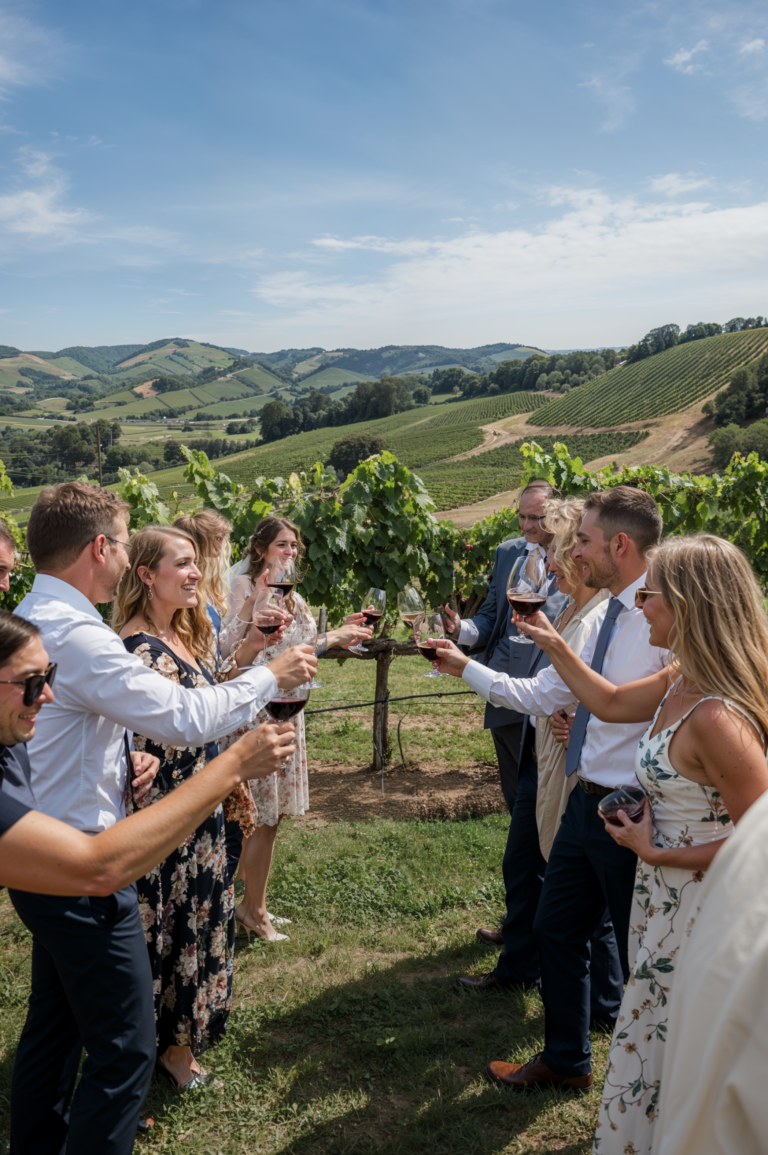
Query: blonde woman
x=544, y=789
x=702, y=764
x=210, y=531
x=285, y=794
x=187, y=902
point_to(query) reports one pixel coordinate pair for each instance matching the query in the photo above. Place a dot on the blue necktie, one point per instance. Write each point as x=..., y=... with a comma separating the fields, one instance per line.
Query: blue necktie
x=579, y=727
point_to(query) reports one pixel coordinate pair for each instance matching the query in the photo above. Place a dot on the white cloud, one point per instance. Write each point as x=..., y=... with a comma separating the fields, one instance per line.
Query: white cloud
x=682, y=60
x=599, y=255
x=37, y=210
x=674, y=184
x=29, y=53
x=752, y=46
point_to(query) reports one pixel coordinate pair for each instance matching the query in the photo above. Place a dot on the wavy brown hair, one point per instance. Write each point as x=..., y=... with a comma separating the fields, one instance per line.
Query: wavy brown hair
x=192, y=624
x=563, y=518
x=205, y=528
x=719, y=640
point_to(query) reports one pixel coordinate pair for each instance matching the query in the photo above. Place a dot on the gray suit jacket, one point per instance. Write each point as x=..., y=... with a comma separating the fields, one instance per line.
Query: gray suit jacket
x=493, y=621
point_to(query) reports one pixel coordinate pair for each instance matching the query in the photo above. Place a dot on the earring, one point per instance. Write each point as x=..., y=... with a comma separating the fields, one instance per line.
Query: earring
x=150, y=595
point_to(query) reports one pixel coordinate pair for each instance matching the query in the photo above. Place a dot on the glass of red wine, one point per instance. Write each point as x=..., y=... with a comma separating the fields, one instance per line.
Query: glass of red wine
x=281, y=575
x=268, y=618
x=288, y=703
x=427, y=629
x=630, y=799
x=527, y=589
x=374, y=604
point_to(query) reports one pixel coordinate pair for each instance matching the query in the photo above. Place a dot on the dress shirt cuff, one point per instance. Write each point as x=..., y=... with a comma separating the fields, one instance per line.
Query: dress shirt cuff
x=468, y=633
x=265, y=688
x=479, y=678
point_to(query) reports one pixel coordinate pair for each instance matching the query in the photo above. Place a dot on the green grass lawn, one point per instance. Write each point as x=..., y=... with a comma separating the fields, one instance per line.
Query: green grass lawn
x=350, y=1038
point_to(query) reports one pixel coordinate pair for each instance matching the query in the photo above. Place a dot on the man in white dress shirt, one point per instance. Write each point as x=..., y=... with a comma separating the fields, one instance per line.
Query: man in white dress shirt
x=91, y=982
x=587, y=870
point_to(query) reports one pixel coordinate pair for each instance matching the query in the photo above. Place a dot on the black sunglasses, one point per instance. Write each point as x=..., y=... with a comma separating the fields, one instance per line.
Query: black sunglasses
x=33, y=685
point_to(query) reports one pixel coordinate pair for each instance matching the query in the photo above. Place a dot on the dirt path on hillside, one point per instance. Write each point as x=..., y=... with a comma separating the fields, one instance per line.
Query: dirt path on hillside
x=678, y=440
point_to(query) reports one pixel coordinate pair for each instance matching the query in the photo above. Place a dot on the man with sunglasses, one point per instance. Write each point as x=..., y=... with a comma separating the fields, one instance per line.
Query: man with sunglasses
x=78, y=540
x=41, y=854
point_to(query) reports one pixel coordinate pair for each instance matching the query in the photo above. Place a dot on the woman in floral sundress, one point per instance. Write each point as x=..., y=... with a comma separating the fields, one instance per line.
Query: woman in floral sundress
x=702, y=764
x=286, y=793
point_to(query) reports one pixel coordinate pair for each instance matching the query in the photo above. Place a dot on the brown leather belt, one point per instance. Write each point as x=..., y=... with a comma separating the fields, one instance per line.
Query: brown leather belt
x=593, y=788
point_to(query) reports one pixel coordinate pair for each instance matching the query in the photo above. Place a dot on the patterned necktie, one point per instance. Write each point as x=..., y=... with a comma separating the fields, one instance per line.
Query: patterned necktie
x=530, y=566
x=579, y=727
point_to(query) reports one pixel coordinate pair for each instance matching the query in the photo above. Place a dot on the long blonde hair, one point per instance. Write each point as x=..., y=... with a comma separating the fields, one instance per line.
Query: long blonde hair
x=719, y=640
x=205, y=527
x=563, y=518
x=147, y=548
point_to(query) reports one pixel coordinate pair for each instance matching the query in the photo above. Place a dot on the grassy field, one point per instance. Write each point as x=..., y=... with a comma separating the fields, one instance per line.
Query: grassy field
x=662, y=384
x=351, y=1039
x=333, y=377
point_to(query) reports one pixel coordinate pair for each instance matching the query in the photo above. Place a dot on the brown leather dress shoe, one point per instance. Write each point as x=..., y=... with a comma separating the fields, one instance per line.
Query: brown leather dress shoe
x=534, y=1073
x=489, y=982
x=490, y=937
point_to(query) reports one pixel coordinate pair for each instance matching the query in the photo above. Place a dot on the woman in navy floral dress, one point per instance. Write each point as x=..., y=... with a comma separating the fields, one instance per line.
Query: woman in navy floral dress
x=187, y=902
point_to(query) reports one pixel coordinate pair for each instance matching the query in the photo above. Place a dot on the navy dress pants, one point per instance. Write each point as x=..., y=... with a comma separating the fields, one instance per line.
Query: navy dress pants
x=586, y=872
x=524, y=870
x=507, y=741
x=91, y=988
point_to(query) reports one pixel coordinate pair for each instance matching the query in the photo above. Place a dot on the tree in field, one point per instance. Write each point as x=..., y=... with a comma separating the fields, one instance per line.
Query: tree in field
x=422, y=394
x=350, y=451
x=275, y=416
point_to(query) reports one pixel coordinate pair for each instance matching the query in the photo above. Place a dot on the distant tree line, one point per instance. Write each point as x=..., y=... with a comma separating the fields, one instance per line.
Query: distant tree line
x=369, y=401
x=667, y=336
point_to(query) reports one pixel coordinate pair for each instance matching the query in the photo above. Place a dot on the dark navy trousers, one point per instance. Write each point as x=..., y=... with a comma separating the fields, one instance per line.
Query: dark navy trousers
x=586, y=872
x=524, y=871
x=92, y=989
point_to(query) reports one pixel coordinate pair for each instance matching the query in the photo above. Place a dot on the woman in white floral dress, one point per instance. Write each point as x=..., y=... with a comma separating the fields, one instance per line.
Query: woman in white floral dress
x=286, y=793
x=702, y=763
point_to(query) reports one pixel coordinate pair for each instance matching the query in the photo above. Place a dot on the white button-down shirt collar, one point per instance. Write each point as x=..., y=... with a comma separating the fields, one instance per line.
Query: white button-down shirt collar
x=77, y=756
x=608, y=753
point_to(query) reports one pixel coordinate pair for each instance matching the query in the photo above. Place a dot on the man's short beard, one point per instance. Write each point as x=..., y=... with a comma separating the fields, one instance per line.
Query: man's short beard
x=605, y=577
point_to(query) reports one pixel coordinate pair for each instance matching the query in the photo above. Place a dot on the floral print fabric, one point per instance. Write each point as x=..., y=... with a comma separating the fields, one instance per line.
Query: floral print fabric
x=685, y=813
x=186, y=904
x=285, y=793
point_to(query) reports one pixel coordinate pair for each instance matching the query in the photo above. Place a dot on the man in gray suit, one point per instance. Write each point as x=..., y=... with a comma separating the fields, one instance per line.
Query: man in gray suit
x=487, y=634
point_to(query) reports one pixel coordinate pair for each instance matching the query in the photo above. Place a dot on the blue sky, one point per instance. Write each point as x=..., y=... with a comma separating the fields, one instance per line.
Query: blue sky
x=265, y=174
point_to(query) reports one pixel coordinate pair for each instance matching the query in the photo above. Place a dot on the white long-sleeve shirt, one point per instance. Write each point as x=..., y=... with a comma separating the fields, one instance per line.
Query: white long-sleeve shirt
x=77, y=755
x=608, y=753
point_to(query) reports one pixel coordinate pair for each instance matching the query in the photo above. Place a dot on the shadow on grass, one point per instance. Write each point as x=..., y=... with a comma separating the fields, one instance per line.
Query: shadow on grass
x=391, y=1062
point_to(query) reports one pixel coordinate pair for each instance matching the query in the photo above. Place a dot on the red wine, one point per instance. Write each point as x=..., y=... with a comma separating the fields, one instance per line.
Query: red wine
x=428, y=652
x=526, y=604
x=267, y=630
x=283, y=709
x=284, y=587
x=371, y=618
x=630, y=799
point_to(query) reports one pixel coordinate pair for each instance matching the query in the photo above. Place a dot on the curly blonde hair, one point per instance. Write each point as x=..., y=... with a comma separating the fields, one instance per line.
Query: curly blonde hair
x=562, y=517
x=719, y=639
x=192, y=624
x=205, y=528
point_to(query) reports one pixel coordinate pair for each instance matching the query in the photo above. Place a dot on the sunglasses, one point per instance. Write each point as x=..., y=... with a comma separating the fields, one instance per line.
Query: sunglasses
x=642, y=593
x=34, y=684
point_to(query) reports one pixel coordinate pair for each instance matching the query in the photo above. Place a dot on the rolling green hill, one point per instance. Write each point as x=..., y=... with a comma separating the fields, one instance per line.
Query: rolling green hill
x=332, y=376
x=664, y=383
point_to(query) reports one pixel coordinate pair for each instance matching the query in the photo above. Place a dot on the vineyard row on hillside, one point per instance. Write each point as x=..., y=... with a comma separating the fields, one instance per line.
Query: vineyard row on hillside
x=663, y=384
x=454, y=483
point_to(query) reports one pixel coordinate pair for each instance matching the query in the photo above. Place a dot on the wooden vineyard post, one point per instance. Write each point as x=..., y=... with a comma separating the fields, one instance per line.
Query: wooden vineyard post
x=382, y=651
x=381, y=743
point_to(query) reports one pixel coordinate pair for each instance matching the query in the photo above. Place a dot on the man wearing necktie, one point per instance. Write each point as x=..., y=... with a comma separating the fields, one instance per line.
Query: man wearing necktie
x=488, y=633
x=587, y=870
